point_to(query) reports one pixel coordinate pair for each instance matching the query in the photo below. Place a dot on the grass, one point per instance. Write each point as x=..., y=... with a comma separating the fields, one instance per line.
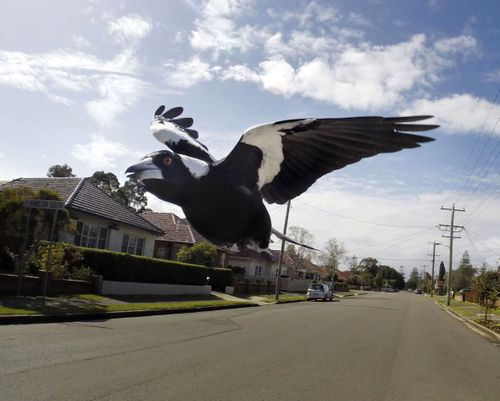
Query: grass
x=284, y=298
x=465, y=309
x=90, y=303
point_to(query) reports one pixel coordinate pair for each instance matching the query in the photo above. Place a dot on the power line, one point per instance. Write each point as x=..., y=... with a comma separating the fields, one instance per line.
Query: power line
x=359, y=220
x=474, y=246
x=478, y=136
x=400, y=238
x=486, y=163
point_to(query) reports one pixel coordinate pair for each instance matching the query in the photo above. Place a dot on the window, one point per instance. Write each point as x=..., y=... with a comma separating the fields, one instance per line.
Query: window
x=132, y=244
x=162, y=253
x=91, y=235
x=258, y=271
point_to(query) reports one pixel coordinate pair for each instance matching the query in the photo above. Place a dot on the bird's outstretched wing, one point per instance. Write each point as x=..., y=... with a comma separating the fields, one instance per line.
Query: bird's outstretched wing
x=285, y=158
x=175, y=133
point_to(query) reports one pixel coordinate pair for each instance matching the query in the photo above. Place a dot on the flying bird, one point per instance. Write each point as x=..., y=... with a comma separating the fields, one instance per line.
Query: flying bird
x=275, y=162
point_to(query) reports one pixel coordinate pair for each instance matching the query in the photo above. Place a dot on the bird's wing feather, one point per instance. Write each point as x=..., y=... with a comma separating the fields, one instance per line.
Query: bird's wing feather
x=176, y=134
x=285, y=158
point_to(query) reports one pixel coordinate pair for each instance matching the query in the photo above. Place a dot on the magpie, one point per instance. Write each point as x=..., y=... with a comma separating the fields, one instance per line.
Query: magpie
x=275, y=162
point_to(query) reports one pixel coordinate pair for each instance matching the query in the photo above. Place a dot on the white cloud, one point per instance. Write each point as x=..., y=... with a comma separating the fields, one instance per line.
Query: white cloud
x=118, y=93
x=189, y=73
x=80, y=41
x=129, y=29
x=99, y=153
x=369, y=77
x=464, y=44
x=459, y=113
x=59, y=75
x=493, y=76
x=218, y=31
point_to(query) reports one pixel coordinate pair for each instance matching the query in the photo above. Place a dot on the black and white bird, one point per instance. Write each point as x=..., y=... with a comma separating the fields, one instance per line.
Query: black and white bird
x=223, y=199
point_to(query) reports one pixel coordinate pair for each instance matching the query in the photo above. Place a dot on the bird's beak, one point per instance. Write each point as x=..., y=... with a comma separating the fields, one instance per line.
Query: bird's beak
x=144, y=169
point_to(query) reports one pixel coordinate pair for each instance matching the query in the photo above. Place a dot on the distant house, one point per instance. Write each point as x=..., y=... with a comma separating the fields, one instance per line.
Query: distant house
x=259, y=266
x=177, y=232
x=100, y=221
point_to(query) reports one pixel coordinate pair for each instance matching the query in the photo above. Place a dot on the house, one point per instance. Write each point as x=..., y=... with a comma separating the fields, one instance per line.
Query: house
x=259, y=266
x=177, y=233
x=100, y=221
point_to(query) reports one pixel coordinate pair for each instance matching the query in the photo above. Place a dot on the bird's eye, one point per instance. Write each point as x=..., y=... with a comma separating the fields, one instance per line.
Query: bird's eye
x=167, y=161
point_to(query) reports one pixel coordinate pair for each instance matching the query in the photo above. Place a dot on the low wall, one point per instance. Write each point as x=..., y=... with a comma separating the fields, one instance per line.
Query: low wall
x=296, y=285
x=32, y=285
x=127, y=288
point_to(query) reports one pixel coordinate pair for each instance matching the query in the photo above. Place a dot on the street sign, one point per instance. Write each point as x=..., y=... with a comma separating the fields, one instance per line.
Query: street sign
x=43, y=204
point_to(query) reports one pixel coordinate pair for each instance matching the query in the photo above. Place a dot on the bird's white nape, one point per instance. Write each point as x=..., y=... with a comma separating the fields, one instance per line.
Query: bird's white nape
x=198, y=168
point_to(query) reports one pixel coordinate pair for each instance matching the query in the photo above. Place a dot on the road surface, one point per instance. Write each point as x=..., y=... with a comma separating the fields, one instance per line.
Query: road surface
x=381, y=346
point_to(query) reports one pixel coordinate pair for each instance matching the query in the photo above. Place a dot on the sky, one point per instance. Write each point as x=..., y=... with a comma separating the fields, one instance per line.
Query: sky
x=80, y=80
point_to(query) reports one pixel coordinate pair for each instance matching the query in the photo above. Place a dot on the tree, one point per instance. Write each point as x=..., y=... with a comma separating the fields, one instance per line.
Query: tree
x=369, y=265
x=132, y=194
x=487, y=285
x=13, y=221
x=442, y=272
x=414, y=279
x=334, y=253
x=106, y=182
x=379, y=280
x=201, y=253
x=60, y=171
x=298, y=254
x=463, y=276
x=353, y=264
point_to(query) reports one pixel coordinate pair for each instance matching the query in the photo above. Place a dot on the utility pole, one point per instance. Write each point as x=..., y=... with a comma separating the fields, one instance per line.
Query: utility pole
x=434, y=244
x=453, y=229
x=278, y=279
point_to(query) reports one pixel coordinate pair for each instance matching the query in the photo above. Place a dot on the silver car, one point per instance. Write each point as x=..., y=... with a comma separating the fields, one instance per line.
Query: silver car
x=319, y=291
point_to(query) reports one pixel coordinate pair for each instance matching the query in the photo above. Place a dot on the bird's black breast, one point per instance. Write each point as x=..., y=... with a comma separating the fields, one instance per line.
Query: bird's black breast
x=225, y=210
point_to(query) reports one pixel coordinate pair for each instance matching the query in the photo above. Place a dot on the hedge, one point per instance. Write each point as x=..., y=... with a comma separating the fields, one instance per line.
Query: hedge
x=119, y=266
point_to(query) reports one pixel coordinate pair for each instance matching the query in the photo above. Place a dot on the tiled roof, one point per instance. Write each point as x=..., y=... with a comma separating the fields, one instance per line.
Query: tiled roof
x=64, y=186
x=175, y=229
x=81, y=195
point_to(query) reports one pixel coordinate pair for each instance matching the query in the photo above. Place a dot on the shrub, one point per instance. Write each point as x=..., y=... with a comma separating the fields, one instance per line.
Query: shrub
x=118, y=266
x=201, y=253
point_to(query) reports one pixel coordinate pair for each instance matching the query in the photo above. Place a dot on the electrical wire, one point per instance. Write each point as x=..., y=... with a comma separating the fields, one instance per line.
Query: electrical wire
x=358, y=220
x=478, y=137
x=400, y=238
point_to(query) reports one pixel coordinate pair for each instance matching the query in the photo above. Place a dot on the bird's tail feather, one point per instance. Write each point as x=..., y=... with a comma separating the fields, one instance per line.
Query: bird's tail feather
x=288, y=239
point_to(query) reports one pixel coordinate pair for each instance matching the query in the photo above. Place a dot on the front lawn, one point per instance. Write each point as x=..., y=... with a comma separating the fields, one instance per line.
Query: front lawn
x=90, y=303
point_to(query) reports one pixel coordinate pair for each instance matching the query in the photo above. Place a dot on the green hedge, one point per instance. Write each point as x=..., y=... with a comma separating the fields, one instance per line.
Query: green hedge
x=118, y=266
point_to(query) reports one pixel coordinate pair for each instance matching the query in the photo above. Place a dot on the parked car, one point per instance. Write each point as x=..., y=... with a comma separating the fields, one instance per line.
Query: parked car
x=418, y=291
x=319, y=291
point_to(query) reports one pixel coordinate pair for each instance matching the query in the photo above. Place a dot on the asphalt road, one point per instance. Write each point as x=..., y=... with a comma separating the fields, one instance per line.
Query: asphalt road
x=380, y=346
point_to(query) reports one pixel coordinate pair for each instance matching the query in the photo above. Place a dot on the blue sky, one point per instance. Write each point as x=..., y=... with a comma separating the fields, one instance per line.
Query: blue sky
x=79, y=81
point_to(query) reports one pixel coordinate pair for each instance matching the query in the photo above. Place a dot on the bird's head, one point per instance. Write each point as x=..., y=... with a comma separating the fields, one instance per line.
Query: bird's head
x=166, y=174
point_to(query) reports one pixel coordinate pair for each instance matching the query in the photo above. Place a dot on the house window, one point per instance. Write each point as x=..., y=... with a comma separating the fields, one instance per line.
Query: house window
x=132, y=244
x=162, y=253
x=258, y=271
x=90, y=235
x=174, y=251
